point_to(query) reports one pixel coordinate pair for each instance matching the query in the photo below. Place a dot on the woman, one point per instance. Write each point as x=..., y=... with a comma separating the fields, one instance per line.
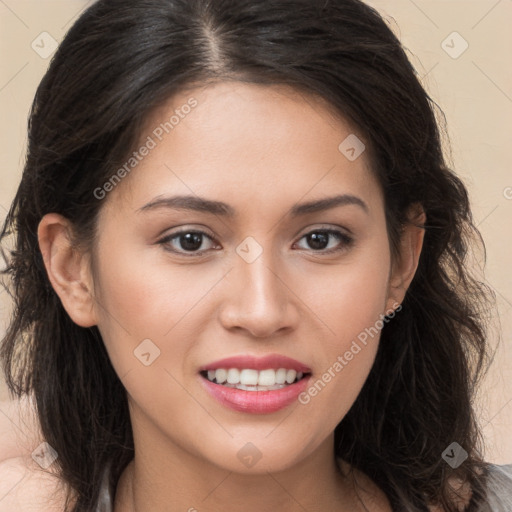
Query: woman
x=239, y=264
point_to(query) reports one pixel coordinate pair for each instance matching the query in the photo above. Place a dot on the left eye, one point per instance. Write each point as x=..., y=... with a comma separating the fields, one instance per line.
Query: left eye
x=192, y=241
x=319, y=240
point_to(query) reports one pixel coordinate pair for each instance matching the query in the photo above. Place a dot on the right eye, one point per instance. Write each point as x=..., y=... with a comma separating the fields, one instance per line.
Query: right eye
x=190, y=241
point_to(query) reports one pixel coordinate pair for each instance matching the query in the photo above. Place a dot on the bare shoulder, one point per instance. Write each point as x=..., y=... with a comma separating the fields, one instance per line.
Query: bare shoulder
x=26, y=487
x=19, y=428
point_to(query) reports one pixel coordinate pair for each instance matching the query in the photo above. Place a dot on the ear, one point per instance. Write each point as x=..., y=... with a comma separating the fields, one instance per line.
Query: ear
x=68, y=269
x=411, y=243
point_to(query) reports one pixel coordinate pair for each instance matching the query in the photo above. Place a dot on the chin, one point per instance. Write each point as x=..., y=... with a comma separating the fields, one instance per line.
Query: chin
x=259, y=457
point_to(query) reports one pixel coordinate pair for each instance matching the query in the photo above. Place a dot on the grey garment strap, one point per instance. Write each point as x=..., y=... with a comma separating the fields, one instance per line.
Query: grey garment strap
x=499, y=489
x=106, y=499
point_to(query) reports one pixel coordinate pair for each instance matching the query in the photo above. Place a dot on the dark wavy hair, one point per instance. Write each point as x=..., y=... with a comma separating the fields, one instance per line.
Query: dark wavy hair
x=124, y=58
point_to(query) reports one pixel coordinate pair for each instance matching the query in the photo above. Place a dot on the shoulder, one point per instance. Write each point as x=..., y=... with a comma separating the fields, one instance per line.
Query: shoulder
x=24, y=486
x=19, y=428
x=500, y=474
x=499, y=487
x=461, y=491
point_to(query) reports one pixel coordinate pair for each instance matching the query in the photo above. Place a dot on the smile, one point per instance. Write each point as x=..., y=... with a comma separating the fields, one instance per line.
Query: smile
x=254, y=380
x=255, y=385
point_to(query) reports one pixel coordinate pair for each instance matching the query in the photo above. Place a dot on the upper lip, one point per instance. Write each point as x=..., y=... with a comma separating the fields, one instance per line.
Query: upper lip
x=258, y=363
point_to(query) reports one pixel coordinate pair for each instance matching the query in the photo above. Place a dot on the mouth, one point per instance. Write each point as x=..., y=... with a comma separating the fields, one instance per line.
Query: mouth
x=255, y=385
x=248, y=379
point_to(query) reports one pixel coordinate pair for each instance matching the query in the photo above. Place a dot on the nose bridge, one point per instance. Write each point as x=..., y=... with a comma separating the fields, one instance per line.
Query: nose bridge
x=258, y=299
x=254, y=267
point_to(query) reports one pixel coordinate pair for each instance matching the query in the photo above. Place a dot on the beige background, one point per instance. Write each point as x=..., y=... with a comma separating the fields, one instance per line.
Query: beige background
x=474, y=90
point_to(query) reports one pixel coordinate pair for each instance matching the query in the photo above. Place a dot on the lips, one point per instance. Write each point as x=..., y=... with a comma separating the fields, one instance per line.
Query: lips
x=253, y=384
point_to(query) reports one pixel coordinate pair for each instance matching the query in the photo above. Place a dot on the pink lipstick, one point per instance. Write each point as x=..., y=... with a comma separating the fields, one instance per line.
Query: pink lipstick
x=257, y=385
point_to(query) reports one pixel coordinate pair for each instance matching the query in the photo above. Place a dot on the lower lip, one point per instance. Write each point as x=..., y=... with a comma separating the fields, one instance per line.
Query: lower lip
x=256, y=402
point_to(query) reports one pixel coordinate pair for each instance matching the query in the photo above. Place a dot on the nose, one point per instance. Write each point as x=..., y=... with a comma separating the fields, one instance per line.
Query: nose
x=258, y=299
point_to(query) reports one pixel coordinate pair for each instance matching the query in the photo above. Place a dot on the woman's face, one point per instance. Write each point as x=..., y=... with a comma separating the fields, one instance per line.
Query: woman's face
x=261, y=278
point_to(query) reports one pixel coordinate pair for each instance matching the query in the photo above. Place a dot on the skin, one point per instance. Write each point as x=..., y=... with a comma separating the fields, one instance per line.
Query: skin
x=19, y=429
x=24, y=485
x=262, y=150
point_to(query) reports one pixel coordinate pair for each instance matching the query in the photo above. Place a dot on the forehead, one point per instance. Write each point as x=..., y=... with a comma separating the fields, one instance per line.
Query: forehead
x=257, y=146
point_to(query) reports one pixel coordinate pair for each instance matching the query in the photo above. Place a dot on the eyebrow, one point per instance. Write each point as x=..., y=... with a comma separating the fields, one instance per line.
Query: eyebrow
x=201, y=204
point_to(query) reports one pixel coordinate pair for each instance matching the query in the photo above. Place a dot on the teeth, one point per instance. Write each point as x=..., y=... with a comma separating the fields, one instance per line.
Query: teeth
x=281, y=376
x=233, y=376
x=249, y=377
x=254, y=380
x=266, y=378
x=291, y=375
x=255, y=388
x=221, y=376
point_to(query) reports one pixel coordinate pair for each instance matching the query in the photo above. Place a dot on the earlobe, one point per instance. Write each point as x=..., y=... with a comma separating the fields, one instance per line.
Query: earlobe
x=67, y=269
x=411, y=244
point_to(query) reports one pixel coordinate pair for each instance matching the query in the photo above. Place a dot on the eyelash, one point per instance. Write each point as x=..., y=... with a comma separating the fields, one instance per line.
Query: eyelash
x=347, y=241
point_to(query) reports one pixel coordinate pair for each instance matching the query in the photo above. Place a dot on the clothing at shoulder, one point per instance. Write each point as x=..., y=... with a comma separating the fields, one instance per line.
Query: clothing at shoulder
x=499, y=491
x=106, y=499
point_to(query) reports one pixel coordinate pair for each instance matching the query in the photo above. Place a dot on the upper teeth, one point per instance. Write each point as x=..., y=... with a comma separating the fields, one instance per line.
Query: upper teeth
x=249, y=377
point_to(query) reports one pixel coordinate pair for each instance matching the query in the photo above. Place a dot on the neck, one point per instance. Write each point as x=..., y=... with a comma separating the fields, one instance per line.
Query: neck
x=315, y=484
x=165, y=476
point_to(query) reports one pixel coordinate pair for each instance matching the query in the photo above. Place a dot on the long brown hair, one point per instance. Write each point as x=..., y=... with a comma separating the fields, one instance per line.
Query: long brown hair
x=123, y=58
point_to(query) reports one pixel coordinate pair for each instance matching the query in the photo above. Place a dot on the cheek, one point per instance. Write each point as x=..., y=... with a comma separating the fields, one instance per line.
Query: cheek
x=145, y=297
x=349, y=297
x=351, y=308
x=149, y=299
x=346, y=363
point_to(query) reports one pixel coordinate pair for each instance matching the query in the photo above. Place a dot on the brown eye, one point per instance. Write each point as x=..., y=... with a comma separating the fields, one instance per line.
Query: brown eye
x=319, y=240
x=186, y=241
